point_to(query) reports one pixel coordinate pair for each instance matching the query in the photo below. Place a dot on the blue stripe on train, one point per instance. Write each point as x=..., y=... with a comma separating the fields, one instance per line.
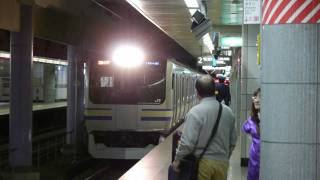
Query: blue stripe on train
x=98, y=108
x=155, y=118
x=100, y=118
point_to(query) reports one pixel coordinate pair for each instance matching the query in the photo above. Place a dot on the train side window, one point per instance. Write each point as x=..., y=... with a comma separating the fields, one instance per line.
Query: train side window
x=154, y=85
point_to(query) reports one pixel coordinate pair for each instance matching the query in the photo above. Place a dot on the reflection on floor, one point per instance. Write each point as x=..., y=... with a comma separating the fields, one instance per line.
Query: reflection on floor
x=236, y=172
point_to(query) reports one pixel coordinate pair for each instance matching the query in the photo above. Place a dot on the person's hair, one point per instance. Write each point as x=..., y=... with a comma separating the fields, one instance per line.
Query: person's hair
x=205, y=86
x=254, y=111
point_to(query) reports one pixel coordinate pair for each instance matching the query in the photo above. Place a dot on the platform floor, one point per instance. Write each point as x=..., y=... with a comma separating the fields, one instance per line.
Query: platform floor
x=236, y=172
x=154, y=166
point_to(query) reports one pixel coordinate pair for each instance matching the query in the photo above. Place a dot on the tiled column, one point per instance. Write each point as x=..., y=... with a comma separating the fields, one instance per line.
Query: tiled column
x=250, y=81
x=290, y=102
x=20, y=140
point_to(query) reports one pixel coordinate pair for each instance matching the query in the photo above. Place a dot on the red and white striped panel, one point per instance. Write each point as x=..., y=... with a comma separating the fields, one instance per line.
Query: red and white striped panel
x=290, y=11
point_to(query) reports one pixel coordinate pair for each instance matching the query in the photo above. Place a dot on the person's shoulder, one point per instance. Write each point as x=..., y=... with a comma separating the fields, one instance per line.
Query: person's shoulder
x=194, y=109
x=227, y=108
x=250, y=120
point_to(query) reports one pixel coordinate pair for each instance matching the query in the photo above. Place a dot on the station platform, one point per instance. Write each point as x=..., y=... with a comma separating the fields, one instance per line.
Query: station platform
x=154, y=166
x=4, y=107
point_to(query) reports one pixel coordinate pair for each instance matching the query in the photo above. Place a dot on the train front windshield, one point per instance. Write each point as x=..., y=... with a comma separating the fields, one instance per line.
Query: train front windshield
x=111, y=84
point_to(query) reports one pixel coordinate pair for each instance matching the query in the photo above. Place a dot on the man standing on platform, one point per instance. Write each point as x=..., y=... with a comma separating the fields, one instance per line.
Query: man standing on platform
x=197, y=129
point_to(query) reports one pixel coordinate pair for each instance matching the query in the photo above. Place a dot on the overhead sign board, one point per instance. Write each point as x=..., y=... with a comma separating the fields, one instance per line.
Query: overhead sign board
x=231, y=41
x=251, y=14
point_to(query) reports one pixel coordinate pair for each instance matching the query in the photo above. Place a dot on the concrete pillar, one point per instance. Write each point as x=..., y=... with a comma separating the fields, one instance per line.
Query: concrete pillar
x=235, y=88
x=71, y=96
x=80, y=102
x=290, y=111
x=20, y=140
x=75, y=98
x=250, y=81
x=49, y=83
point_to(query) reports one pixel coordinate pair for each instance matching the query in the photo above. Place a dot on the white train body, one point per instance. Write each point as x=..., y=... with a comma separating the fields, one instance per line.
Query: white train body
x=125, y=114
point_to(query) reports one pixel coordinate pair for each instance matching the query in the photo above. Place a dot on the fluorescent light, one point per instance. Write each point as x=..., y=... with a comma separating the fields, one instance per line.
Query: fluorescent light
x=128, y=56
x=192, y=3
x=192, y=11
x=136, y=3
x=50, y=61
x=38, y=59
x=207, y=41
x=4, y=55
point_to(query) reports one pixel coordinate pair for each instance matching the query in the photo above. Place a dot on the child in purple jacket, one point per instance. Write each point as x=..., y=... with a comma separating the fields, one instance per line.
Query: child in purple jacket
x=252, y=127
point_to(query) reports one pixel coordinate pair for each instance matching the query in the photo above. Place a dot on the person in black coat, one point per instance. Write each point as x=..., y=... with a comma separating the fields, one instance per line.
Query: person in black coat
x=223, y=91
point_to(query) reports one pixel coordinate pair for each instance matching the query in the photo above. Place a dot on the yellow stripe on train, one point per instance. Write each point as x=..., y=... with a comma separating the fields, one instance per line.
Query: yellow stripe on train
x=98, y=112
x=156, y=113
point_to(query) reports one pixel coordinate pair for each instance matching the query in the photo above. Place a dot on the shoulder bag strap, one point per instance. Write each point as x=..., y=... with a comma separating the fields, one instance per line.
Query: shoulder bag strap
x=214, y=131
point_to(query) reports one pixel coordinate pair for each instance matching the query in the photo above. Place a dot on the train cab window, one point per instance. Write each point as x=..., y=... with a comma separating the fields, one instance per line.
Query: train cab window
x=110, y=84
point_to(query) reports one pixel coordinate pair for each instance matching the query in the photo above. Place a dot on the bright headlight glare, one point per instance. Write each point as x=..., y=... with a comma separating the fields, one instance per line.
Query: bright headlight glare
x=128, y=56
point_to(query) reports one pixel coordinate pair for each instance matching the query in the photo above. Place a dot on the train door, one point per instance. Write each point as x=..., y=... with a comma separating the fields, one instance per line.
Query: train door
x=183, y=90
x=174, y=100
x=178, y=89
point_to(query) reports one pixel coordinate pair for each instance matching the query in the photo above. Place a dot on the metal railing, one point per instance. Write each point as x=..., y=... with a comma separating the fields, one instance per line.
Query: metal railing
x=46, y=147
x=4, y=156
x=173, y=128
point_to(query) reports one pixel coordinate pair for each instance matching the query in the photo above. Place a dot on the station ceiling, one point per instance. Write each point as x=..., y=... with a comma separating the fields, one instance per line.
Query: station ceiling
x=173, y=17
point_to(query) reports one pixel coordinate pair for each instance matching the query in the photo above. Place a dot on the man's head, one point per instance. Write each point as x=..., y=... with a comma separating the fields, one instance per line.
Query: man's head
x=205, y=86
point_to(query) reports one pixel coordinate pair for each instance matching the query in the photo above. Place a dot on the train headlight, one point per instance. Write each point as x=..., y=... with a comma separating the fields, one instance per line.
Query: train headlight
x=128, y=56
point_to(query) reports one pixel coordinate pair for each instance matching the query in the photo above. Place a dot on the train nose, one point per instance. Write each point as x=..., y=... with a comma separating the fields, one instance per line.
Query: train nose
x=126, y=117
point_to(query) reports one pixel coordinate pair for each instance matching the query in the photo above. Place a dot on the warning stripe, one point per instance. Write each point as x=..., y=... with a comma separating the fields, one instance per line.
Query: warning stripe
x=269, y=9
x=299, y=11
x=306, y=12
x=279, y=10
x=265, y=6
x=274, y=9
x=290, y=11
x=284, y=12
x=315, y=17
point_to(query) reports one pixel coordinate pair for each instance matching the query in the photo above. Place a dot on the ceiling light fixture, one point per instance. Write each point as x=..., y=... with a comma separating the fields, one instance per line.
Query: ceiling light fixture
x=192, y=11
x=136, y=3
x=208, y=42
x=192, y=3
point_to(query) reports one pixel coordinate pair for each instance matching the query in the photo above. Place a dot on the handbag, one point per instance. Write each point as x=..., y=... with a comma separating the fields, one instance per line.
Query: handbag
x=189, y=165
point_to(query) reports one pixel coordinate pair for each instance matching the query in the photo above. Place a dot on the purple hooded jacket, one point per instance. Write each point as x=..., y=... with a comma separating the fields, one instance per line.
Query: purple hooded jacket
x=250, y=127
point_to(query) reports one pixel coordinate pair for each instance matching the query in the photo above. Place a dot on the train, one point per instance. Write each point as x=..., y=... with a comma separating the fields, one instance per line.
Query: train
x=128, y=109
x=45, y=70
